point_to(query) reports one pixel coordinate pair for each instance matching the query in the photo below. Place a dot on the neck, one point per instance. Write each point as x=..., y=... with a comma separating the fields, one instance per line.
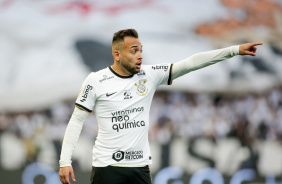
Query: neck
x=120, y=70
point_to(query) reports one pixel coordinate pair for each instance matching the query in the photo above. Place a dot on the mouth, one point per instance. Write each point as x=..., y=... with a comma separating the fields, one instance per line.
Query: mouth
x=139, y=65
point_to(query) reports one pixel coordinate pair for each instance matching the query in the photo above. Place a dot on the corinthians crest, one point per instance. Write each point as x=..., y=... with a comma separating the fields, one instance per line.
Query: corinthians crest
x=141, y=88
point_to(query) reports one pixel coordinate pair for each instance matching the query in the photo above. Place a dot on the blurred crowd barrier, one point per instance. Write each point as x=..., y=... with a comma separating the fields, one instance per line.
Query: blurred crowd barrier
x=191, y=131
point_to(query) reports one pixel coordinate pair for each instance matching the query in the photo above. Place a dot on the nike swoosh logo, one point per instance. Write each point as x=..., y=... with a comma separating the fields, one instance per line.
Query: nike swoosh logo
x=107, y=94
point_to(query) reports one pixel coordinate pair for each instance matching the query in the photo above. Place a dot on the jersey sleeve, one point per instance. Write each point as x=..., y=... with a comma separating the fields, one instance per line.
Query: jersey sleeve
x=203, y=59
x=161, y=73
x=86, y=97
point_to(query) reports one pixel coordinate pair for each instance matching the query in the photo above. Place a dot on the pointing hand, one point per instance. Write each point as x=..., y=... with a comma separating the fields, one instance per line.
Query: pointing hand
x=249, y=48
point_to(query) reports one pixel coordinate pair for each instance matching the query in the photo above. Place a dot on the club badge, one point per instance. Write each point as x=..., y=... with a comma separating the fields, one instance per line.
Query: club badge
x=141, y=88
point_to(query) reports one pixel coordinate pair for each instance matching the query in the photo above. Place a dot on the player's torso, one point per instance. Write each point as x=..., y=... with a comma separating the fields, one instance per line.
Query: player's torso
x=122, y=108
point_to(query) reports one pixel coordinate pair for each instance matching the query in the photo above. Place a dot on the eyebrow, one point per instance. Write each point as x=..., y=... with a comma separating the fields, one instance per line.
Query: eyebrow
x=135, y=46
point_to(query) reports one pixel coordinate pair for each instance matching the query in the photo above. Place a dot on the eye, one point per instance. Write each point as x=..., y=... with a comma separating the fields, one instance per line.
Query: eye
x=133, y=51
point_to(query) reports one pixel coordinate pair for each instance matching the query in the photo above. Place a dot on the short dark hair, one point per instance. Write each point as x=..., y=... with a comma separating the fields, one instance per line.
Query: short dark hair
x=119, y=36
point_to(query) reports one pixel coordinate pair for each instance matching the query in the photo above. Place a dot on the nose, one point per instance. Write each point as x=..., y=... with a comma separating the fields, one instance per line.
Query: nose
x=140, y=56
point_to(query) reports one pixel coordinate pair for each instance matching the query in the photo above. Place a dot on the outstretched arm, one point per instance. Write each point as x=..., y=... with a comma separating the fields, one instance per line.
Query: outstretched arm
x=204, y=59
x=70, y=139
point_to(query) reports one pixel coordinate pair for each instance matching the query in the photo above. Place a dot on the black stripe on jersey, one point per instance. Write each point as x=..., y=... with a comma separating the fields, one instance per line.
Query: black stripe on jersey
x=169, y=82
x=121, y=76
x=82, y=108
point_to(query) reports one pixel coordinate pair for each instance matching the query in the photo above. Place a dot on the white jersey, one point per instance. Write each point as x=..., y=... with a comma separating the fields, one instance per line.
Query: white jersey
x=122, y=105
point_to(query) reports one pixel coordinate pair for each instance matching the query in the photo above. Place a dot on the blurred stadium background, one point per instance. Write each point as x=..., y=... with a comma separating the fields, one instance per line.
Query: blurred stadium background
x=221, y=124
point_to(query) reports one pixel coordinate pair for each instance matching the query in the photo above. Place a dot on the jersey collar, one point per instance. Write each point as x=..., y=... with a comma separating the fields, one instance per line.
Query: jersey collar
x=121, y=76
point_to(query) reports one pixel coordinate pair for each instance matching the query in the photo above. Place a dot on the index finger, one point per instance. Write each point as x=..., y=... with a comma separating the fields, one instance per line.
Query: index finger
x=256, y=43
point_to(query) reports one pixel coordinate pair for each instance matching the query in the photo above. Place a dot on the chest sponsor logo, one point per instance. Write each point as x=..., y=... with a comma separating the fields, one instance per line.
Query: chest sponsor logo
x=105, y=77
x=86, y=92
x=142, y=90
x=160, y=67
x=127, y=155
x=121, y=119
x=127, y=95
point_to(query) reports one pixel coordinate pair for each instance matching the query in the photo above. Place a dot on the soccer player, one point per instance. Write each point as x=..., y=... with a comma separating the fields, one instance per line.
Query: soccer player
x=120, y=96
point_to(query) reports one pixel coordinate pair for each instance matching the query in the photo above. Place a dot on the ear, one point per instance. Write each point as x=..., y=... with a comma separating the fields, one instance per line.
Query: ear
x=116, y=55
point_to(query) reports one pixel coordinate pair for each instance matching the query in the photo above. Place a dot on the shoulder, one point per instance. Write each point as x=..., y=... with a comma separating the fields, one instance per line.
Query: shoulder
x=99, y=75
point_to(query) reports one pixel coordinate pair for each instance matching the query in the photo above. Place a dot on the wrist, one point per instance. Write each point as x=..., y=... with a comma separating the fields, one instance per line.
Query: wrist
x=64, y=163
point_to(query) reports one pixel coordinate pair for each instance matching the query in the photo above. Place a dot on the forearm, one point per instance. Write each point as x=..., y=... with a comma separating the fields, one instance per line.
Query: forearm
x=71, y=135
x=203, y=59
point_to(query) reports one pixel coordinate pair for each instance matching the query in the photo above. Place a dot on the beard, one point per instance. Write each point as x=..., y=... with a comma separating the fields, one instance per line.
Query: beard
x=132, y=70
